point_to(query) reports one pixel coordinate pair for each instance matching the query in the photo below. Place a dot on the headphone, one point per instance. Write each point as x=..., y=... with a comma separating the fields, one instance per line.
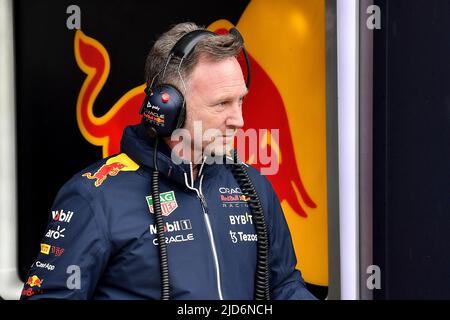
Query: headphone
x=164, y=106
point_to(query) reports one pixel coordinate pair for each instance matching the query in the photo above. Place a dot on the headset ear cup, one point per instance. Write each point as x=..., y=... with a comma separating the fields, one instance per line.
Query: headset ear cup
x=162, y=108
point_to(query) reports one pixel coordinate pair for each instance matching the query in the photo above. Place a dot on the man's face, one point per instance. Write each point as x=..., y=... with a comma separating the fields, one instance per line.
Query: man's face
x=214, y=101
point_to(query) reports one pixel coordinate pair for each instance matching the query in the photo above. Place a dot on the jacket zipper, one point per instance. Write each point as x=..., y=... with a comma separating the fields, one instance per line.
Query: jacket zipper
x=208, y=228
x=211, y=239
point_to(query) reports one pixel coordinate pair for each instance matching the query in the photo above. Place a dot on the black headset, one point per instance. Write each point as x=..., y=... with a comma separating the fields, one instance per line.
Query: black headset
x=164, y=106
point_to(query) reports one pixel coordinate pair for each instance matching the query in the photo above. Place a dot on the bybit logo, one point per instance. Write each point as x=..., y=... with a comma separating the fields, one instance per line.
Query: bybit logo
x=241, y=219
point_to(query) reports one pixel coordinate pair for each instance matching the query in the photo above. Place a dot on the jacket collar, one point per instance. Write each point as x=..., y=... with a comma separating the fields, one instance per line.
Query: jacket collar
x=140, y=147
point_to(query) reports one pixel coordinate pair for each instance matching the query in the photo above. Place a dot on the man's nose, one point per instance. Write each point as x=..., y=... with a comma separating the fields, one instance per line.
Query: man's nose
x=235, y=119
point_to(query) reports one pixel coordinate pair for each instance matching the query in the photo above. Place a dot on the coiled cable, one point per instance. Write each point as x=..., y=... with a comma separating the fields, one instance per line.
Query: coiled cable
x=164, y=262
x=262, y=288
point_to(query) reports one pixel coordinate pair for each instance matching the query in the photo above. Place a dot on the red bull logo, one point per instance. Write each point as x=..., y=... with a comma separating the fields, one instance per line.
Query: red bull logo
x=111, y=168
x=241, y=197
x=106, y=131
x=289, y=77
x=105, y=170
x=34, y=281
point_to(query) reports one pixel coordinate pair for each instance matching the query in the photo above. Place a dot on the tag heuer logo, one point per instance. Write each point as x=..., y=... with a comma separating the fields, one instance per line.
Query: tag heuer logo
x=168, y=203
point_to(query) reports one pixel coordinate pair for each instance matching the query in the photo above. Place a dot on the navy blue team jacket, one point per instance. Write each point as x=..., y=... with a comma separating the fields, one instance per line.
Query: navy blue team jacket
x=101, y=242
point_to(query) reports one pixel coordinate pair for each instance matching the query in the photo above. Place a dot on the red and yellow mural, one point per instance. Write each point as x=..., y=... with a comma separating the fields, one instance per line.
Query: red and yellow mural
x=286, y=44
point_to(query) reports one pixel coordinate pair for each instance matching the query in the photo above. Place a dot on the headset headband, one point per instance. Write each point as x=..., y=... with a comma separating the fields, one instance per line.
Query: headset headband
x=186, y=45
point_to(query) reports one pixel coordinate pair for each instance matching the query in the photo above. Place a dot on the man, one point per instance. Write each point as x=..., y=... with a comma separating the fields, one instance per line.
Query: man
x=101, y=241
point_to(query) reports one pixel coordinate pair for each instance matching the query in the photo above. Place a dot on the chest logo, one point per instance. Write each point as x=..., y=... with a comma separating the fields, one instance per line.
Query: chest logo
x=168, y=203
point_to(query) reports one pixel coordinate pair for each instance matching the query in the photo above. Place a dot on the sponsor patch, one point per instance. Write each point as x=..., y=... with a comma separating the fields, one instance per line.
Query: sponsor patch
x=167, y=200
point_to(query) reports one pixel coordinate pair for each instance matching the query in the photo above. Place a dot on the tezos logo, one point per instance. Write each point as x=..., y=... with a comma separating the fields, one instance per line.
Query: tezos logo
x=240, y=236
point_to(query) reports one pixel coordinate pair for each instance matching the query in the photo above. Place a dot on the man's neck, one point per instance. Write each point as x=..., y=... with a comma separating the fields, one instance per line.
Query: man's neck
x=195, y=165
x=195, y=168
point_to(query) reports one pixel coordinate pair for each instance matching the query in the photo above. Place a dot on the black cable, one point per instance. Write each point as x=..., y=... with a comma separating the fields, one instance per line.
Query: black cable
x=247, y=61
x=164, y=262
x=235, y=32
x=262, y=288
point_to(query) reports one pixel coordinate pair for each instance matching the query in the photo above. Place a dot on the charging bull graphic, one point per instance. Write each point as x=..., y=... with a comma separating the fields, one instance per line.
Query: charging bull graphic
x=111, y=168
x=34, y=281
x=266, y=107
x=107, y=130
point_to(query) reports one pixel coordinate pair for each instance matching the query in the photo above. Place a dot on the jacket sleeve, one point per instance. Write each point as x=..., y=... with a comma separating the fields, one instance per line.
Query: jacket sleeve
x=286, y=282
x=73, y=251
